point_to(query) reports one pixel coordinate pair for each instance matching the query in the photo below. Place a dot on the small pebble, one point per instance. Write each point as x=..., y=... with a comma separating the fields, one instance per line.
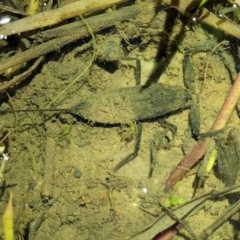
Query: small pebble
x=77, y=173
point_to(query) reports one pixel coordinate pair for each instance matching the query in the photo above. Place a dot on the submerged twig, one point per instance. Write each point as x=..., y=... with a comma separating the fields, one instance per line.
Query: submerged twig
x=178, y=220
x=55, y=16
x=51, y=17
x=201, y=147
x=164, y=221
x=219, y=222
x=50, y=152
x=17, y=79
x=206, y=17
x=72, y=32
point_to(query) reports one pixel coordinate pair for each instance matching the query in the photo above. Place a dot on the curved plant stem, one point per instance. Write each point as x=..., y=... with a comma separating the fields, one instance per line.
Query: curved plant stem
x=202, y=145
x=88, y=66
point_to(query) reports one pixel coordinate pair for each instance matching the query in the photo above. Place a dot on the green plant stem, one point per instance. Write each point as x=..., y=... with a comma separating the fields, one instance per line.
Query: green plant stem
x=85, y=70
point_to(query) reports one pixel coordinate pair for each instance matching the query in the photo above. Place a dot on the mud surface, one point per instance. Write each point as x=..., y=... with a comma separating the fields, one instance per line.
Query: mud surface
x=60, y=164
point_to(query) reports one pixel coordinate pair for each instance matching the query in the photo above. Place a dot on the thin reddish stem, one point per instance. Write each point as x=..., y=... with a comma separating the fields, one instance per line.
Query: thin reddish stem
x=201, y=147
x=228, y=106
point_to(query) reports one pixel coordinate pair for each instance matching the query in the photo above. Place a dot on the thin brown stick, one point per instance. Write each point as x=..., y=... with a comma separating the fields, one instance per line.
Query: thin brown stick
x=187, y=163
x=55, y=16
x=17, y=79
x=219, y=222
x=202, y=145
x=76, y=31
x=206, y=17
x=50, y=152
x=5, y=137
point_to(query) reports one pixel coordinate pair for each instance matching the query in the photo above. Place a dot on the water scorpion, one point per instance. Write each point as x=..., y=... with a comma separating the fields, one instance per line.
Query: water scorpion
x=134, y=104
x=125, y=105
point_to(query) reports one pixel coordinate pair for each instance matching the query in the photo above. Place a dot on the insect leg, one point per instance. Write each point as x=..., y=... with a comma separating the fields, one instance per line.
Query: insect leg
x=138, y=127
x=136, y=149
